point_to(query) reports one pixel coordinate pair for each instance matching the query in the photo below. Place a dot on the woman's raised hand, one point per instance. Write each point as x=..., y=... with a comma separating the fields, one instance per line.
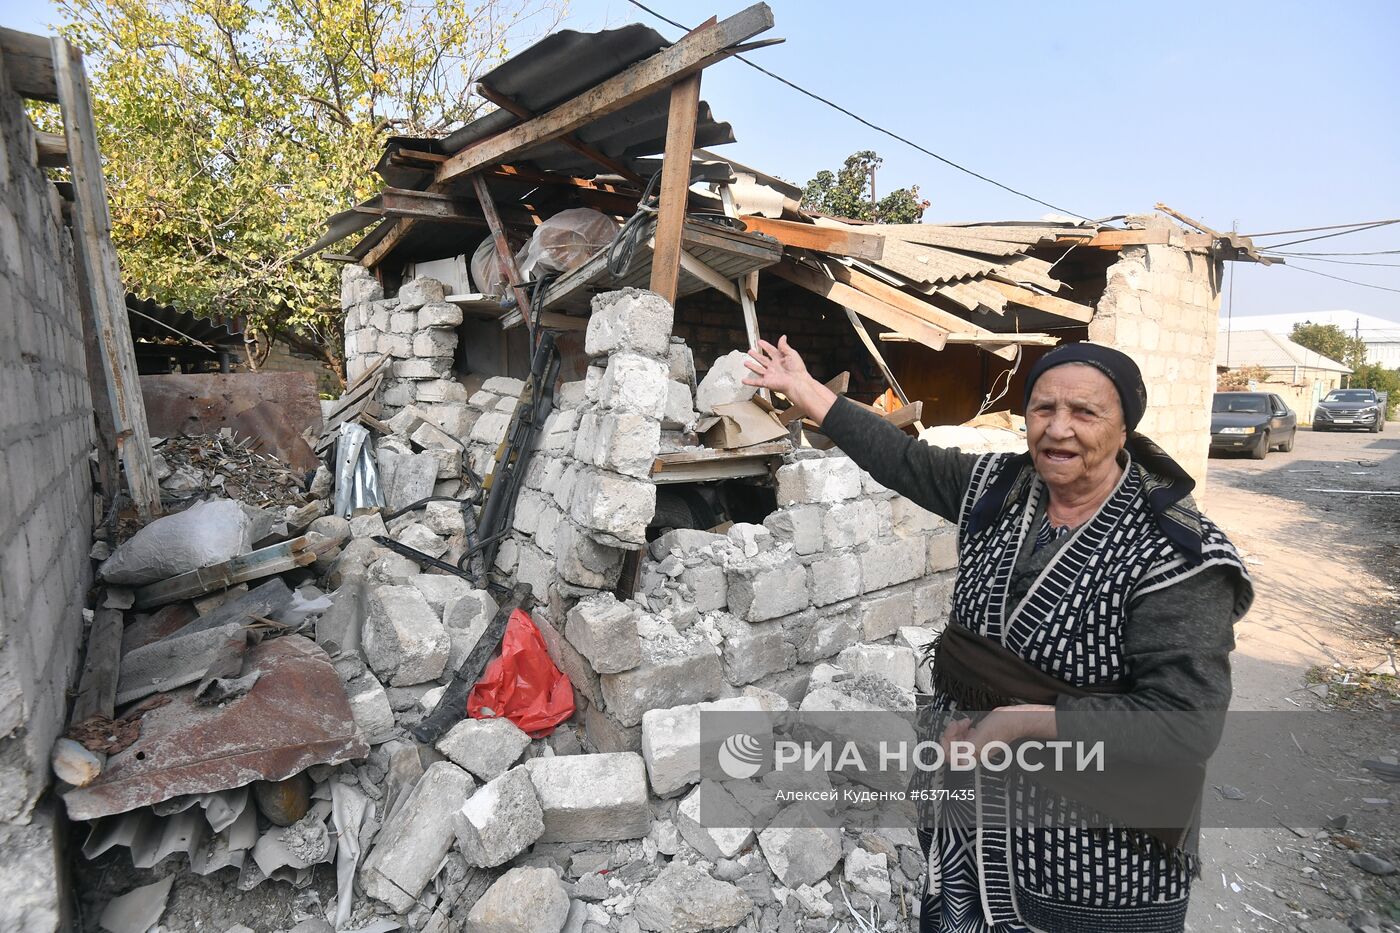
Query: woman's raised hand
x=779, y=369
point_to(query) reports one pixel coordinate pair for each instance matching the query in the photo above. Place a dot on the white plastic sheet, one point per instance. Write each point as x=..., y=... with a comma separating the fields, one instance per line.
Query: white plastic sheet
x=565, y=241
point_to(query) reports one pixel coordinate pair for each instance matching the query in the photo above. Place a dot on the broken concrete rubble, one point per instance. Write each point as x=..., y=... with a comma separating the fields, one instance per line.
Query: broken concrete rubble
x=523, y=900
x=411, y=850
x=587, y=798
x=404, y=639
x=485, y=747
x=501, y=820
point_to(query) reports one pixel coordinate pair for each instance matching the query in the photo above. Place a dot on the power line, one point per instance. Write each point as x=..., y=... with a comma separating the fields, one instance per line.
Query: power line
x=1328, y=275
x=1364, y=223
x=1374, y=252
x=879, y=129
x=1325, y=236
x=1342, y=262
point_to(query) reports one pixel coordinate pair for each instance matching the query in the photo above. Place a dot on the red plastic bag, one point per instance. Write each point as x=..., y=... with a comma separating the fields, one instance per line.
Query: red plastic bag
x=523, y=685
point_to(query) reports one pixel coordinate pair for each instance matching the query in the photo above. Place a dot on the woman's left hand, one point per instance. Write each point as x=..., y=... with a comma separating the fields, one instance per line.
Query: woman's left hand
x=1007, y=724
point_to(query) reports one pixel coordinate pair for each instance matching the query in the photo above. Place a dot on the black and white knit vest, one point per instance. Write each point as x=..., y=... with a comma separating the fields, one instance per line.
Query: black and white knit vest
x=1070, y=624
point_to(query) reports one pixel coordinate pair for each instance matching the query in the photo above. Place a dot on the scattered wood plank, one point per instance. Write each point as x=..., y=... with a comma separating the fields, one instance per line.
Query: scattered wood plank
x=97, y=687
x=1050, y=304
x=930, y=335
x=901, y=417
x=279, y=558
x=100, y=275
x=700, y=465
x=505, y=256
x=686, y=57
x=830, y=240
x=675, y=187
x=906, y=302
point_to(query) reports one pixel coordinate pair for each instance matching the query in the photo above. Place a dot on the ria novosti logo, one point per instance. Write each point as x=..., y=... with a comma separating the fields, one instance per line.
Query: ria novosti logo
x=740, y=756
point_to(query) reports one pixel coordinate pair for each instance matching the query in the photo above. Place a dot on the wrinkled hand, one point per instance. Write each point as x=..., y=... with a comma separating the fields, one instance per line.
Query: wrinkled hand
x=1005, y=724
x=779, y=369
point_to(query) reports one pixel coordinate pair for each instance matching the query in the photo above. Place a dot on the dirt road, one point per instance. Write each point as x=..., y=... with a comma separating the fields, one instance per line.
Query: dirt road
x=1326, y=567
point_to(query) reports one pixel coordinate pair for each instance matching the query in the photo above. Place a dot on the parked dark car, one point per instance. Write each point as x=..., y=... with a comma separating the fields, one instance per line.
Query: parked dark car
x=1352, y=408
x=1251, y=421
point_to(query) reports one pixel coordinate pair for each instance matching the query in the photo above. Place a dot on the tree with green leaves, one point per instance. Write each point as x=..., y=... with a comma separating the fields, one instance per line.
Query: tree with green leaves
x=1331, y=341
x=1375, y=376
x=231, y=129
x=847, y=193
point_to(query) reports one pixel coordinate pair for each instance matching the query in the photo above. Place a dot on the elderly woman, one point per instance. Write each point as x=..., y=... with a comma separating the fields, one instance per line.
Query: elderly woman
x=1088, y=586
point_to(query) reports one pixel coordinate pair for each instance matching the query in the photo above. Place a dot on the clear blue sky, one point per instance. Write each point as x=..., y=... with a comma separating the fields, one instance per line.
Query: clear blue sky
x=1273, y=115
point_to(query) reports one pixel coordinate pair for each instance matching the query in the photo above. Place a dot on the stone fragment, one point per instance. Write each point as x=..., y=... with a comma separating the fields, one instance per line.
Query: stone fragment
x=435, y=342
x=428, y=436
x=416, y=293
x=523, y=900
x=797, y=849
x=671, y=740
x=868, y=873
x=818, y=480
x=675, y=669
x=485, y=747
x=680, y=411
x=891, y=563
x=823, y=632
x=499, y=821
x=406, y=478
x=439, y=314
x=852, y=523
x=631, y=319
x=724, y=383
x=582, y=561
x=605, y=632
x=404, y=640
x=590, y=798
x=410, y=848
x=369, y=707
x=685, y=899
x=490, y=428
x=753, y=650
x=881, y=616
x=626, y=443
x=418, y=536
x=358, y=286
x=767, y=586
x=895, y=663
x=634, y=383
x=367, y=526
x=444, y=518
x=616, y=508
x=835, y=577
x=713, y=823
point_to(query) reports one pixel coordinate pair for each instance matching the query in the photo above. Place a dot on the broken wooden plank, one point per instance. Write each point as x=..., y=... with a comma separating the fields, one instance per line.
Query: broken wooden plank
x=1050, y=304
x=279, y=558
x=830, y=240
x=709, y=276
x=901, y=417
x=839, y=384
x=101, y=277
x=50, y=150
x=505, y=256
x=675, y=187
x=29, y=64
x=689, y=466
x=904, y=301
x=686, y=57
x=568, y=139
x=97, y=687
x=930, y=335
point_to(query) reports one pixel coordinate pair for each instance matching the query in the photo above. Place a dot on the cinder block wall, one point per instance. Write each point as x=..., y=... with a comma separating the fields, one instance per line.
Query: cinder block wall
x=46, y=434
x=1162, y=308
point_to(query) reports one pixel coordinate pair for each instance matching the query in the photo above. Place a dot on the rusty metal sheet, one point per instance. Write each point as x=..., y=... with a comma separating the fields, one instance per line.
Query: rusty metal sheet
x=295, y=716
x=275, y=408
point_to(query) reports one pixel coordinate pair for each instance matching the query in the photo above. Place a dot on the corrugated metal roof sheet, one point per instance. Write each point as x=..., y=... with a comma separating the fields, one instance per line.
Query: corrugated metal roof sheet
x=151, y=321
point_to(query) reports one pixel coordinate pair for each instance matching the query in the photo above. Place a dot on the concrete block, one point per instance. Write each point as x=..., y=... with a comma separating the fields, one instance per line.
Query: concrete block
x=416, y=293
x=851, y=524
x=708, y=585
x=605, y=632
x=629, y=320
x=753, y=650
x=485, y=747
x=444, y=518
x=799, y=525
x=895, y=663
x=504, y=385
x=405, y=368
x=501, y=820
x=766, y=587
x=798, y=851
x=892, y=563
x=912, y=519
x=441, y=391
x=868, y=873
x=399, y=346
x=535, y=568
x=428, y=435
x=367, y=526
x=671, y=741
x=404, y=641
x=35, y=899
x=835, y=578
x=626, y=443
x=821, y=633
x=410, y=848
x=358, y=286
x=933, y=599
x=634, y=383
x=403, y=322
x=882, y=615
x=711, y=820
x=440, y=589
x=523, y=900
x=440, y=342
x=369, y=707
x=675, y=669
x=617, y=508
x=724, y=382
x=920, y=641
x=483, y=400
x=582, y=561
x=942, y=552
x=686, y=899
x=592, y=798
x=606, y=734
x=406, y=478
x=490, y=429
x=439, y=315
x=419, y=536
x=566, y=657
x=680, y=411
x=818, y=480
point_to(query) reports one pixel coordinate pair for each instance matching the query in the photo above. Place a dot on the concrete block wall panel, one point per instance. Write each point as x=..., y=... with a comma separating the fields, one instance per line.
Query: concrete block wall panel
x=46, y=434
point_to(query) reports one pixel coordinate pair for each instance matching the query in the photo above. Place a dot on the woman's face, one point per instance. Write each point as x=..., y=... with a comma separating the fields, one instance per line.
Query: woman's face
x=1074, y=427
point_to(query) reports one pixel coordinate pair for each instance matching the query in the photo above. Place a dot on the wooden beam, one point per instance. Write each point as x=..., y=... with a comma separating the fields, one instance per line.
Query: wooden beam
x=97, y=688
x=839, y=384
x=1050, y=304
x=675, y=186
x=1012, y=340
x=29, y=64
x=902, y=300
x=568, y=139
x=901, y=417
x=97, y=259
x=824, y=239
x=686, y=57
x=443, y=208
x=710, y=277
x=509, y=271
x=930, y=335
x=50, y=149
x=278, y=558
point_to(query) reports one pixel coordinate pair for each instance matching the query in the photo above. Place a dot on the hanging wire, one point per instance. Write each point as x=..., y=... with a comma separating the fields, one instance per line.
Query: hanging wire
x=624, y=245
x=993, y=396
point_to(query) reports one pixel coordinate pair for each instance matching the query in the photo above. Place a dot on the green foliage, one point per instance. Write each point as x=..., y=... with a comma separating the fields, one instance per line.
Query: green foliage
x=846, y=193
x=231, y=129
x=1331, y=341
x=1375, y=376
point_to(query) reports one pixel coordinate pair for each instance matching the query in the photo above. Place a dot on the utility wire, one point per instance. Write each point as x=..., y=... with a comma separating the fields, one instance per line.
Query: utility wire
x=1374, y=252
x=1341, y=262
x=1328, y=275
x=879, y=129
x=1370, y=226
x=1364, y=223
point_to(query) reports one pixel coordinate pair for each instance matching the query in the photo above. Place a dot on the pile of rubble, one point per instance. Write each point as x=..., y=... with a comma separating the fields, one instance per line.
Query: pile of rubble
x=343, y=656
x=223, y=464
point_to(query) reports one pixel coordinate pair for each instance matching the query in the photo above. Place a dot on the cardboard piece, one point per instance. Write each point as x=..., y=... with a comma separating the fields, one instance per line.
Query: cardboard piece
x=743, y=424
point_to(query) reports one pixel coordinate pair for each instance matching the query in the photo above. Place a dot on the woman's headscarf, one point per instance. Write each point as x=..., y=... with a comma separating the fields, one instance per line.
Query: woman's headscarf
x=1166, y=483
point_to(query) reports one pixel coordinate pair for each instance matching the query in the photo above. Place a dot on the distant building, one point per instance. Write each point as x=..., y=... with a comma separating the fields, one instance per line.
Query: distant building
x=1301, y=376
x=1382, y=337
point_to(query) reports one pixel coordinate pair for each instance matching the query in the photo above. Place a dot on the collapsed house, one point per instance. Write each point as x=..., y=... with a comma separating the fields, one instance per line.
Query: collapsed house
x=544, y=412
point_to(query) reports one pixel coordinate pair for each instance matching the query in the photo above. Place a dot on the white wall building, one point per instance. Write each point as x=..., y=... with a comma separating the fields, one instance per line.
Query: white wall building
x=1381, y=336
